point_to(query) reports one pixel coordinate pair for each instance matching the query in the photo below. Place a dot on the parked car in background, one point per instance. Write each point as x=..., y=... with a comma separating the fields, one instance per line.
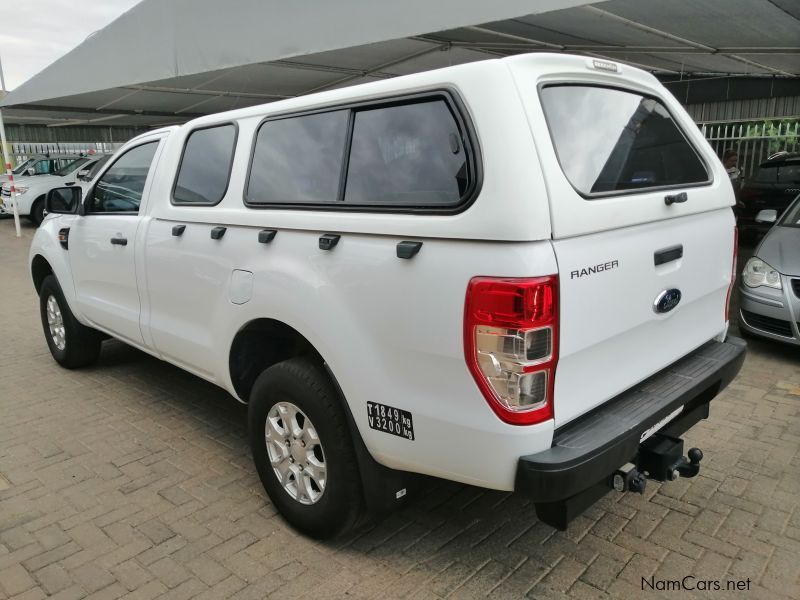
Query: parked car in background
x=20, y=169
x=30, y=192
x=774, y=185
x=27, y=168
x=769, y=291
x=41, y=164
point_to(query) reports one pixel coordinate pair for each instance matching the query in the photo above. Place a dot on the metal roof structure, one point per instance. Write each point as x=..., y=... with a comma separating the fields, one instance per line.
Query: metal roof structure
x=167, y=61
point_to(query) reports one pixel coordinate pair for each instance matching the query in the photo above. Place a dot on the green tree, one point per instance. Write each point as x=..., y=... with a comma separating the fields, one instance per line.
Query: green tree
x=782, y=134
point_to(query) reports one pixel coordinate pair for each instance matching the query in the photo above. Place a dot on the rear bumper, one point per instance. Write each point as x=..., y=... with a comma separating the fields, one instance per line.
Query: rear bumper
x=586, y=452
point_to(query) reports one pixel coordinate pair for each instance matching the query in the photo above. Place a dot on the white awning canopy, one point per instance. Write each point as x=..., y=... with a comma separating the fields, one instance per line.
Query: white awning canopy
x=166, y=61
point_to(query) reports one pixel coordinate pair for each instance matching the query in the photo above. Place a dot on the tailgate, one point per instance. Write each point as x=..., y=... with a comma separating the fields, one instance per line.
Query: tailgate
x=611, y=336
x=642, y=227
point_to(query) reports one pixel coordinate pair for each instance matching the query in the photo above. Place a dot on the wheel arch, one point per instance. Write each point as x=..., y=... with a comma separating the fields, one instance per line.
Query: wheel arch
x=261, y=343
x=40, y=268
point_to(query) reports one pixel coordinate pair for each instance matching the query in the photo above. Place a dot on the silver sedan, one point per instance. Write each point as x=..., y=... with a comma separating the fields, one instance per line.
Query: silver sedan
x=769, y=289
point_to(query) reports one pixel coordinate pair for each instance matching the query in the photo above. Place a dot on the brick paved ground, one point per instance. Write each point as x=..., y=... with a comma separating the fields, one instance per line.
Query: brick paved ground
x=134, y=479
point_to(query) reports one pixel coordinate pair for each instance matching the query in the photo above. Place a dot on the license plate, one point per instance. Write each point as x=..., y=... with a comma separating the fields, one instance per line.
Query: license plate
x=649, y=432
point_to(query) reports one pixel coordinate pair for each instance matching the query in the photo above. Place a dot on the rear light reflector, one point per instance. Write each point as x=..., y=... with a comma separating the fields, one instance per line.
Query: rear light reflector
x=511, y=344
x=733, y=273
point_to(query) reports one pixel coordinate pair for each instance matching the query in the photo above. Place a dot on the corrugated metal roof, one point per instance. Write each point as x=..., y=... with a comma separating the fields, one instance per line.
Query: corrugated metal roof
x=176, y=59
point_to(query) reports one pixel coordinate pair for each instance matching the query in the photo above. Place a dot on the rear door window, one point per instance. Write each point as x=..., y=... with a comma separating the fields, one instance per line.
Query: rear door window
x=611, y=141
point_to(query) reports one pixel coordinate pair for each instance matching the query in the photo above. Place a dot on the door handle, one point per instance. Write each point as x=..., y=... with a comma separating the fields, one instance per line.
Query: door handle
x=119, y=241
x=676, y=198
x=661, y=257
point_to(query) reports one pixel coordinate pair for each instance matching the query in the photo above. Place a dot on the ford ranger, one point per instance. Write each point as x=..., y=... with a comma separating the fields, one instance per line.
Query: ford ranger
x=513, y=274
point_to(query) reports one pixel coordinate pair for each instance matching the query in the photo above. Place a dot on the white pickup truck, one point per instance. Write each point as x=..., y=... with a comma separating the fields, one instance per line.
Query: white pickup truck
x=30, y=191
x=513, y=274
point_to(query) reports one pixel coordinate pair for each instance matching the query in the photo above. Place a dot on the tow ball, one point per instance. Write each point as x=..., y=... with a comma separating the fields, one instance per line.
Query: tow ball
x=661, y=458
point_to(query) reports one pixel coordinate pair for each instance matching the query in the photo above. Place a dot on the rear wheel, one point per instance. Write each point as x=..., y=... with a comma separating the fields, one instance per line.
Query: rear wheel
x=37, y=212
x=72, y=344
x=303, y=450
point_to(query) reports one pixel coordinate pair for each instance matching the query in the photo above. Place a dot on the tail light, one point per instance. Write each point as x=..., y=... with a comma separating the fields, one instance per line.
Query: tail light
x=511, y=344
x=733, y=273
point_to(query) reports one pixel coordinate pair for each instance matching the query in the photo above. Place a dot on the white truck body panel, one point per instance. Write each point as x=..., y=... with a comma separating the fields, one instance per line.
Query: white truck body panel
x=392, y=330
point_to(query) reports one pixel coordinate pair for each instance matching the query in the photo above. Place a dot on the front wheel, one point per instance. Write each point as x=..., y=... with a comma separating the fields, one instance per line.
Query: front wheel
x=72, y=344
x=37, y=212
x=303, y=450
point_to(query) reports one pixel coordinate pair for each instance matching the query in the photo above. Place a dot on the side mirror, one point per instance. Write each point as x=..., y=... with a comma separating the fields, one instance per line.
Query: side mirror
x=768, y=216
x=63, y=201
x=30, y=171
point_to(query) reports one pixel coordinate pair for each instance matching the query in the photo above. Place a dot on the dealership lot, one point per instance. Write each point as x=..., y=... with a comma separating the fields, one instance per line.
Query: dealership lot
x=135, y=477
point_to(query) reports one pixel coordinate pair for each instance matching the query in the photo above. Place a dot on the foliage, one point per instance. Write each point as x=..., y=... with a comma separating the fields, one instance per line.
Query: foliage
x=782, y=134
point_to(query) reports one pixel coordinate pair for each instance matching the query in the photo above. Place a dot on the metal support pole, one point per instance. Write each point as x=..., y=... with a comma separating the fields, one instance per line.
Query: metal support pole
x=7, y=160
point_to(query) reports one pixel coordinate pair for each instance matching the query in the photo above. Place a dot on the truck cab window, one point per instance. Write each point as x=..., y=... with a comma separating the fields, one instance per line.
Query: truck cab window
x=206, y=166
x=121, y=187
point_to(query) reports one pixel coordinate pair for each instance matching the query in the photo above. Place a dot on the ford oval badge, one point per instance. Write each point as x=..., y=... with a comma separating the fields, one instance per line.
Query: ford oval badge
x=667, y=300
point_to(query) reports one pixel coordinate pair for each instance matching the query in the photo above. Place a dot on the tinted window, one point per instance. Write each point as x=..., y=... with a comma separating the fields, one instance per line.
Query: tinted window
x=69, y=167
x=408, y=155
x=298, y=159
x=786, y=172
x=610, y=140
x=43, y=167
x=121, y=186
x=206, y=165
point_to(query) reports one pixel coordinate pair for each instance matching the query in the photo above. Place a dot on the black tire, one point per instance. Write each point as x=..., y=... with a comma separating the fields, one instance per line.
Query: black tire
x=305, y=384
x=81, y=344
x=37, y=212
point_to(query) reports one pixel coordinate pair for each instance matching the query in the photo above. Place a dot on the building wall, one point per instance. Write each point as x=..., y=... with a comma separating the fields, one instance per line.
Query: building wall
x=745, y=110
x=42, y=134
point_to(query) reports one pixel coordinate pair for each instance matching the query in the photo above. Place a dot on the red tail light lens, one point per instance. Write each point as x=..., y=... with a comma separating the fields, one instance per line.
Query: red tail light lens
x=511, y=344
x=733, y=273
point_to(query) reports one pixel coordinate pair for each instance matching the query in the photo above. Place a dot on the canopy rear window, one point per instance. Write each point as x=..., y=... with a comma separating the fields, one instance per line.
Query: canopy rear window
x=611, y=141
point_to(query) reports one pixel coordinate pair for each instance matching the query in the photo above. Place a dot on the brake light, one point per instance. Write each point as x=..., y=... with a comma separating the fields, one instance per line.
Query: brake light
x=511, y=344
x=733, y=273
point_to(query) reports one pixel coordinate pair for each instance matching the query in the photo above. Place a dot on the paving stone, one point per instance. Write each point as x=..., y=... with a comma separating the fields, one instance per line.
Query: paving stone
x=15, y=580
x=91, y=577
x=53, y=578
x=133, y=478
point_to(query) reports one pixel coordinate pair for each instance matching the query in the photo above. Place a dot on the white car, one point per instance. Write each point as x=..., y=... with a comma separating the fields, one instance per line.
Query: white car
x=513, y=274
x=38, y=164
x=31, y=189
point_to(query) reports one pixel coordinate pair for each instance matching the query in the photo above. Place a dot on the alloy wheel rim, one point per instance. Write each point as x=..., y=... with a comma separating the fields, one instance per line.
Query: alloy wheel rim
x=295, y=453
x=55, y=322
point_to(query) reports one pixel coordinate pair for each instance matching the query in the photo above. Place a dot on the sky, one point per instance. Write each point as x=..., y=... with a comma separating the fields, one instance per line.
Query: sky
x=35, y=33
